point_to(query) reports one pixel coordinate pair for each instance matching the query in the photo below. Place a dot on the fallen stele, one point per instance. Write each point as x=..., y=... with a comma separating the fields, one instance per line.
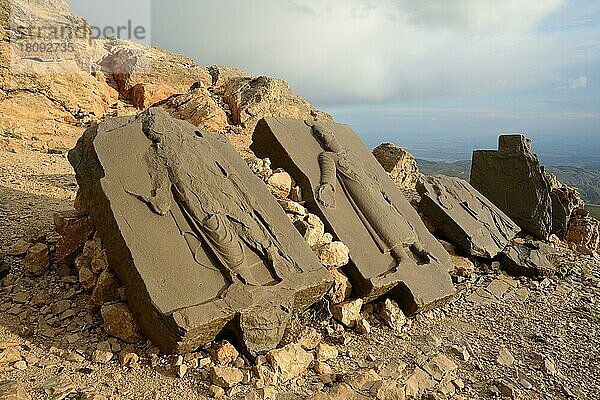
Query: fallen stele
x=391, y=250
x=197, y=239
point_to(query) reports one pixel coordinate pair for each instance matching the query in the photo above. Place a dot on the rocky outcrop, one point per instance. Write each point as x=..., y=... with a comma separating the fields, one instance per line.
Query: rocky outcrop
x=251, y=99
x=146, y=75
x=399, y=164
x=513, y=179
x=472, y=223
x=198, y=107
x=54, y=96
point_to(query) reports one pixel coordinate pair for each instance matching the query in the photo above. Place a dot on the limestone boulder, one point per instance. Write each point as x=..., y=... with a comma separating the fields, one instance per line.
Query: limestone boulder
x=198, y=107
x=399, y=163
x=473, y=223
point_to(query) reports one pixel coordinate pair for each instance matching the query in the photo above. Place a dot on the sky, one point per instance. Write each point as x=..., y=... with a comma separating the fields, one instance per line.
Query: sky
x=405, y=71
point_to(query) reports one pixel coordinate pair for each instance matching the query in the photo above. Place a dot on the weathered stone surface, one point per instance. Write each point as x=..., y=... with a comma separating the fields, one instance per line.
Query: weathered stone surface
x=341, y=288
x=280, y=184
x=390, y=247
x=223, y=353
x=528, y=259
x=120, y=323
x=392, y=315
x=290, y=361
x=19, y=248
x=225, y=376
x=334, y=254
x=37, y=260
x=399, y=163
x=106, y=289
x=583, y=232
x=197, y=107
x=147, y=75
x=251, y=99
x=75, y=228
x=348, y=312
x=514, y=181
x=197, y=241
x=473, y=223
x=12, y=390
x=565, y=200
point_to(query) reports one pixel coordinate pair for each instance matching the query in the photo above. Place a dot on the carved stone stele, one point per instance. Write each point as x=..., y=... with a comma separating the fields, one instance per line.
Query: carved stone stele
x=391, y=250
x=196, y=238
x=470, y=221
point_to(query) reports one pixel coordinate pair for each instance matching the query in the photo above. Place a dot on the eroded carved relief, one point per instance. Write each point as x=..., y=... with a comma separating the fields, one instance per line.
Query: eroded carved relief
x=391, y=231
x=194, y=235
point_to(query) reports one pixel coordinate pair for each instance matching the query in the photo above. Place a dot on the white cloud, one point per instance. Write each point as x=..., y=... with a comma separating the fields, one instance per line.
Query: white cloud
x=580, y=82
x=336, y=51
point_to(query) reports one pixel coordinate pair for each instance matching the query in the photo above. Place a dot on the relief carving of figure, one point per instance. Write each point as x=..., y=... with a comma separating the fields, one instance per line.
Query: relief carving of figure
x=340, y=170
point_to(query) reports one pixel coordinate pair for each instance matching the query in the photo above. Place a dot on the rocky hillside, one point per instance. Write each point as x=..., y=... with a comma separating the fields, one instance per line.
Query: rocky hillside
x=48, y=99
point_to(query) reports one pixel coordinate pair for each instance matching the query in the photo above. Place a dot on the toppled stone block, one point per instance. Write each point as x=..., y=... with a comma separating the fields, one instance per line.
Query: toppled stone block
x=528, y=259
x=390, y=247
x=399, y=163
x=514, y=181
x=198, y=242
x=473, y=223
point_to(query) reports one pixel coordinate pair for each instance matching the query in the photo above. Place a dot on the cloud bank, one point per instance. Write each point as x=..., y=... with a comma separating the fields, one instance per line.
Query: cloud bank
x=345, y=51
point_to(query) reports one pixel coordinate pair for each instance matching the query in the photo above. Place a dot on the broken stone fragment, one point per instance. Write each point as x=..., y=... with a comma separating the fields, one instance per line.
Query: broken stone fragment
x=472, y=223
x=326, y=352
x=392, y=315
x=223, y=353
x=583, y=233
x=513, y=179
x=290, y=361
x=462, y=266
x=37, y=260
x=120, y=323
x=280, y=184
x=19, y=248
x=106, y=289
x=528, y=259
x=348, y=312
x=225, y=377
x=75, y=228
x=341, y=288
x=334, y=254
